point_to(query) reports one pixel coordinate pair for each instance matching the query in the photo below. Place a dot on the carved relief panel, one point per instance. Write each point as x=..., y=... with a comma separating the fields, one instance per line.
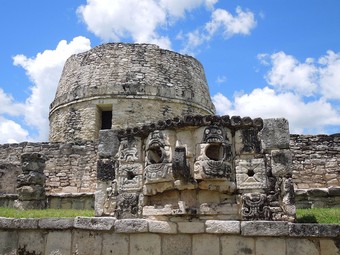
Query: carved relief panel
x=251, y=173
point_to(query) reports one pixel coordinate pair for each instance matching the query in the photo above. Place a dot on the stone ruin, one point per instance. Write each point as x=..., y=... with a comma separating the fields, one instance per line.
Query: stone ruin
x=205, y=167
x=30, y=183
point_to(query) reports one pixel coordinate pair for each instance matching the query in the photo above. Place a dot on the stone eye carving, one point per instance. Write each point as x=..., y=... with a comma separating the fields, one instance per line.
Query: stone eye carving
x=213, y=134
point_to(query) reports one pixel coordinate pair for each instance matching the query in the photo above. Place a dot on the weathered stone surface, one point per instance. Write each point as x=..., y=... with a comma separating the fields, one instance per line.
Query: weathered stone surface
x=334, y=191
x=8, y=242
x=117, y=244
x=86, y=242
x=264, y=228
x=328, y=246
x=58, y=242
x=318, y=192
x=108, y=143
x=162, y=227
x=190, y=227
x=176, y=244
x=237, y=245
x=31, y=242
x=223, y=227
x=56, y=223
x=145, y=244
x=102, y=223
x=205, y=244
x=268, y=246
x=314, y=230
x=299, y=246
x=275, y=134
x=131, y=226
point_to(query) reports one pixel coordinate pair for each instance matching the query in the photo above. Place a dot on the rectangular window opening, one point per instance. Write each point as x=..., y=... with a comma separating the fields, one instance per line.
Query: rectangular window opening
x=106, y=120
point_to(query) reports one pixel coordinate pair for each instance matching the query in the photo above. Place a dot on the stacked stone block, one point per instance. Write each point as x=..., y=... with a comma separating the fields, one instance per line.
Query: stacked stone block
x=316, y=160
x=31, y=182
x=205, y=167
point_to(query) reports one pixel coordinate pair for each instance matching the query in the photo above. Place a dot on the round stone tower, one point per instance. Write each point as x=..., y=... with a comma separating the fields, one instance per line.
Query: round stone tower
x=120, y=85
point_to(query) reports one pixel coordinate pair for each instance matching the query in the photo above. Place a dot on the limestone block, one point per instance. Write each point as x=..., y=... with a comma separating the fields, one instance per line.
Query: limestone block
x=334, y=191
x=314, y=230
x=250, y=173
x=106, y=170
x=207, y=196
x=31, y=242
x=299, y=246
x=275, y=134
x=190, y=227
x=157, y=173
x=108, y=143
x=58, y=242
x=223, y=227
x=25, y=223
x=247, y=142
x=86, y=242
x=281, y=162
x=102, y=223
x=56, y=223
x=154, y=188
x=219, y=209
x=145, y=244
x=130, y=150
x=328, y=246
x=237, y=245
x=116, y=244
x=264, y=228
x=176, y=244
x=205, y=244
x=8, y=242
x=162, y=227
x=268, y=246
x=131, y=226
x=185, y=138
x=33, y=192
x=130, y=177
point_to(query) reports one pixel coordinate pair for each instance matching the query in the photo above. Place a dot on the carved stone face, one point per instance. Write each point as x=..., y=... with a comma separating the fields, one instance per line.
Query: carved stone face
x=213, y=134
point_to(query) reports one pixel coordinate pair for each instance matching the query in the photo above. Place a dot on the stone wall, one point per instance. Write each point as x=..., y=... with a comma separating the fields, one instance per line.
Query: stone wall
x=96, y=236
x=316, y=160
x=69, y=168
x=138, y=82
x=72, y=167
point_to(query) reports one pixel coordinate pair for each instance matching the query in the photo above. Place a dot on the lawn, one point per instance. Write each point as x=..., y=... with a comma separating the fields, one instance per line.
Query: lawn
x=48, y=213
x=318, y=215
x=315, y=215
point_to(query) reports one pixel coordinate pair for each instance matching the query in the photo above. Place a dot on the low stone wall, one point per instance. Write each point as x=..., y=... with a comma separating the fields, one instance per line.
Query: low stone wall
x=110, y=236
x=323, y=197
x=70, y=167
x=316, y=160
x=77, y=201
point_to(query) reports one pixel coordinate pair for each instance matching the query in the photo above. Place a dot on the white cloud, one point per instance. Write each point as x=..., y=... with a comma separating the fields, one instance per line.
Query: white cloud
x=221, y=22
x=44, y=71
x=303, y=116
x=288, y=74
x=329, y=76
x=117, y=19
x=8, y=106
x=11, y=132
x=242, y=23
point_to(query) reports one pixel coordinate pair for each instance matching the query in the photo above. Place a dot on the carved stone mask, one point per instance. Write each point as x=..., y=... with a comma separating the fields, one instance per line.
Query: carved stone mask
x=213, y=134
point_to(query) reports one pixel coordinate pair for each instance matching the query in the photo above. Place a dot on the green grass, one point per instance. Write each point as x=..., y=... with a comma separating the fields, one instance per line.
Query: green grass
x=315, y=215
x=318, y=215
x=48, y=213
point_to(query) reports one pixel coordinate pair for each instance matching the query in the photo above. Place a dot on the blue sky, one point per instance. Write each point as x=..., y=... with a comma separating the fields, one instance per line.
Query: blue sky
x=278, y=58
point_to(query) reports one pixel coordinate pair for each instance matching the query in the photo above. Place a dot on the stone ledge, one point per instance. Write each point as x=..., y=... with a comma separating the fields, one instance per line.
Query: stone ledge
x=314, y=230
x=245, y=228
x=131, y=226
x=264, y=228
x=94, y=223
x=223, y=227
x=56, y=223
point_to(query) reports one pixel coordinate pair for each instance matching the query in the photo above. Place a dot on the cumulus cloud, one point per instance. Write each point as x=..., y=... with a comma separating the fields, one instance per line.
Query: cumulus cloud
x=11, y=132
x=44, y=71
x=289, y=83
x=221, y=22
x=312, y=77
x=141, y=20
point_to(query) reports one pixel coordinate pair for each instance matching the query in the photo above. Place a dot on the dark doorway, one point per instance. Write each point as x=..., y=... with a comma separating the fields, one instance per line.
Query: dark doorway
x=106, y=120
